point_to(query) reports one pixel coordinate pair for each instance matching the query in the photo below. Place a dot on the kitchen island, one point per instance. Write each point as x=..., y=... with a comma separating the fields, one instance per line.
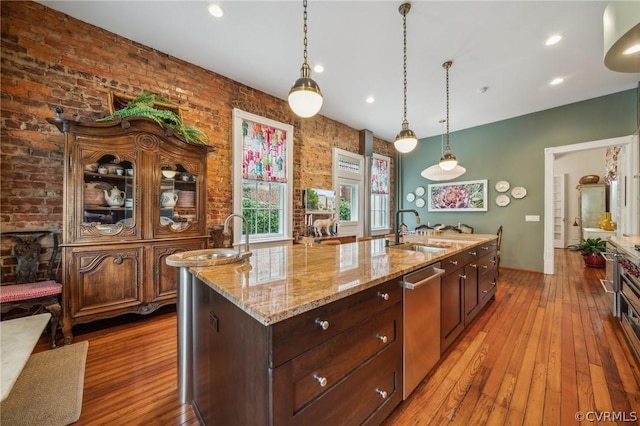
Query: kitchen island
x=308, y=334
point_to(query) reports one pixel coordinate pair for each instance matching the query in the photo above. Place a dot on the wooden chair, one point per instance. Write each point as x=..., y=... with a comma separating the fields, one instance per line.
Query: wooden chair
x=465, y=229
x=423, y=228
x=450, y=230
x=29, y=293
x=498, y=244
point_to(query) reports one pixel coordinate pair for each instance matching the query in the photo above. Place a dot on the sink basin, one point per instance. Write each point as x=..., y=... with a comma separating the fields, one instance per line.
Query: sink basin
x=215, y=255
x=208, y=257
x=419, y=247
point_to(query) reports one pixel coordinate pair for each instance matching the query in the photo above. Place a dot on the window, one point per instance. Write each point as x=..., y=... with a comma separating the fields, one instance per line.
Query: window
x=262, y=162
x=380, y=192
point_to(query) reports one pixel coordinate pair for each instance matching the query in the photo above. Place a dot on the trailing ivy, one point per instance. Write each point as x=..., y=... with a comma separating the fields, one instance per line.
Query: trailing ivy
x=144, y=106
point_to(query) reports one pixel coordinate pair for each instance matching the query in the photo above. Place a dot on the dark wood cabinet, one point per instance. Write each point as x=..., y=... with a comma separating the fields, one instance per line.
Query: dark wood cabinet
x=468, y=284
x=133, y=195
x=340, y=363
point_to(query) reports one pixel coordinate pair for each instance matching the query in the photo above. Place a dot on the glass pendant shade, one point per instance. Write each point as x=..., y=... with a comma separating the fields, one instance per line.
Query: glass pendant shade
x=305, y=98
x=448, y=161
x=406, y=140
x=436, y=172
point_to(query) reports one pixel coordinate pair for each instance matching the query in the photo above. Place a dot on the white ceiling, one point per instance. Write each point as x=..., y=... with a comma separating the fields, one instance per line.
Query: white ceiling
x=499, y=45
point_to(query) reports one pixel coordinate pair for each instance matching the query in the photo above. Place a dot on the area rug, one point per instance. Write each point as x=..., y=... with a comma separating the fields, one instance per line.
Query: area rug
x=49, y=389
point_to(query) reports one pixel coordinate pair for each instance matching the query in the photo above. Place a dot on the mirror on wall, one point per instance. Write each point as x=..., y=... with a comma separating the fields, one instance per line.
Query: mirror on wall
x=592, y=204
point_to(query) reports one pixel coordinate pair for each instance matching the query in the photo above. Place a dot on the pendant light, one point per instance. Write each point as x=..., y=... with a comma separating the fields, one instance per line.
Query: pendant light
x=406, y=140
x=436, y=172
x=305, y=98
x=448, y=160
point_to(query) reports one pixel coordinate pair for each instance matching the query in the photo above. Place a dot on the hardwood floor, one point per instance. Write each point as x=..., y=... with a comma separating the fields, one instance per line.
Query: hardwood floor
x=545, y=349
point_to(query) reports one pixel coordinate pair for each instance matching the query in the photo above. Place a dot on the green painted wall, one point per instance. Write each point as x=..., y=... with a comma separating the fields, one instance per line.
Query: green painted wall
x=513, y=150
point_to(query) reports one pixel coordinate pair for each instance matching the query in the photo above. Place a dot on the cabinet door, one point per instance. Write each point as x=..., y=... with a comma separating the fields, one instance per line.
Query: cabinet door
x=471, y=295
x=452, y=313
x=102, y=191
x=179, y=196
x=487, y=277
x=104, y=280
x=165, y=277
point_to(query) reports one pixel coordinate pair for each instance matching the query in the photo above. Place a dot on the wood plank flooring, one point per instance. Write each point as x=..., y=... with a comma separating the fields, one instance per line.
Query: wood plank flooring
x=546, y=348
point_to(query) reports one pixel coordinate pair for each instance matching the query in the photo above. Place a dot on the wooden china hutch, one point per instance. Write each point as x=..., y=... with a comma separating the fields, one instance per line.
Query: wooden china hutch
x=134, y=194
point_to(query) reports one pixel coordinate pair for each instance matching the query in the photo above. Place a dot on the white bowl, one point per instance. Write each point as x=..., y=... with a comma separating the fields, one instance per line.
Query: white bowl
x=169, y=174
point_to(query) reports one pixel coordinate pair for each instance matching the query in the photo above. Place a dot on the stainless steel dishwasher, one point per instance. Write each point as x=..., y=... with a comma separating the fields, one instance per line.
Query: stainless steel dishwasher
x=421, y=317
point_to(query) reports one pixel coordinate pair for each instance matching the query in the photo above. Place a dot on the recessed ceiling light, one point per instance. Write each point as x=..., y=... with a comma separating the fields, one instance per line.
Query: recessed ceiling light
x=483, y=89
x=216, y=11
x=318, y=68
x=370, y=99
x=556, y=81
x=553, y=39
x=633, y=49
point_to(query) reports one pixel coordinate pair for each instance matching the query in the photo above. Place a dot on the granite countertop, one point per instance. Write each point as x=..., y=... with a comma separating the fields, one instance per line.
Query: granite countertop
x=283, y=281
x=625, y=246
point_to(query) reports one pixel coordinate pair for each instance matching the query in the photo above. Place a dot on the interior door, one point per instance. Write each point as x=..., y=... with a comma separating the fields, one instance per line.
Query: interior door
x=348, y=172
x=558, y=211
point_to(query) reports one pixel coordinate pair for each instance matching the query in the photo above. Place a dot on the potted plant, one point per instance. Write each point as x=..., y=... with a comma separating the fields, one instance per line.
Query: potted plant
x=591, y=250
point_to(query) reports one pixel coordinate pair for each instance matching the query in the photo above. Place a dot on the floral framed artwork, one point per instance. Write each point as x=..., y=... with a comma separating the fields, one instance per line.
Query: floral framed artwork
x=468, y=196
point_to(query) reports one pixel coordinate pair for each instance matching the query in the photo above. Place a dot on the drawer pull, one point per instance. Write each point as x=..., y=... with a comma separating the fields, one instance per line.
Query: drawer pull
x=464, y=277
x=493, y=262
x=473, y=253
x=484, y=266
x=322, y=324
x=484, y=248
x=321, y=380
x=485, y=291
x=383, y=296
x=382, y=393
x=493, y=283
x=453, y=262
x=382, y=338
x=473, y=265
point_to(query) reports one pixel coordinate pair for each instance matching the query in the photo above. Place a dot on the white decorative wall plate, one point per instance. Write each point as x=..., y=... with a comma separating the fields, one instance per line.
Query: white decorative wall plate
x=502, y=186
x=411, y=197
x=420, y=202
x=503, y=200
x=420, y=191
x=518, y=192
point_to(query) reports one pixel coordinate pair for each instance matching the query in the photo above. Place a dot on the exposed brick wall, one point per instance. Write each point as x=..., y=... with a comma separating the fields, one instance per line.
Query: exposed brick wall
x=50, y=59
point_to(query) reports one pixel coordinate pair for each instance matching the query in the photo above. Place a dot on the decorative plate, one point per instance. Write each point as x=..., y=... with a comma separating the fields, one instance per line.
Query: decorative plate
x=518, y=192
x=503, y=200
x=411, y=197
x=420, y=202
x=420, y=191
x=502, y=186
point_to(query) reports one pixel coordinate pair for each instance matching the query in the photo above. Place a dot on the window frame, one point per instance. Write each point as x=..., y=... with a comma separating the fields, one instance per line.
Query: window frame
x=387, y=226
x=238, y=117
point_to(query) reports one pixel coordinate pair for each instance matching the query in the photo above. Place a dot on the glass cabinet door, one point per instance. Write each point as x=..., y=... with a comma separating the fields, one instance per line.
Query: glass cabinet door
x=178, y=198
x=108, y=206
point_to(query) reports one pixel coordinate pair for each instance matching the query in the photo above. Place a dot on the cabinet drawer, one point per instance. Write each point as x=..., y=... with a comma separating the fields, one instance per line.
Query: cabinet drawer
x=486, y=248
x=455, y=262
x=321, y=368
x=367, y=395
x=291, y=337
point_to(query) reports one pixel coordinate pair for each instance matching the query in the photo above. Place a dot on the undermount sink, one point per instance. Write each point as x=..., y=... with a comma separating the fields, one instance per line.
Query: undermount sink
x=420, y=247
x=208, y=257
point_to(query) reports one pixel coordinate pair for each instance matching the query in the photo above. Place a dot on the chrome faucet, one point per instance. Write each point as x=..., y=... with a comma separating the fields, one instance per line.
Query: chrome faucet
x=398, y=220
x=246, y=229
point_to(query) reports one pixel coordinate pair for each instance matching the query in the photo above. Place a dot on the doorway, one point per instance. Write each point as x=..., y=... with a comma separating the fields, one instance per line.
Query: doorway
x=628, y=165
x=348, y=178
